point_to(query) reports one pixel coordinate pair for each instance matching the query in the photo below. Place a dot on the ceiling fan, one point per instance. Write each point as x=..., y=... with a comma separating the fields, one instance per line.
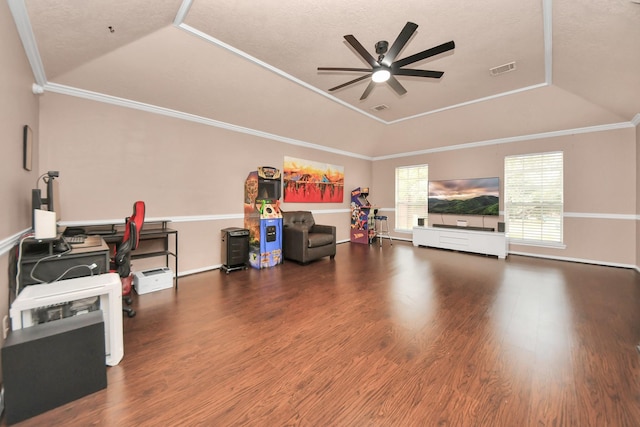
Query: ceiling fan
x=385, y=68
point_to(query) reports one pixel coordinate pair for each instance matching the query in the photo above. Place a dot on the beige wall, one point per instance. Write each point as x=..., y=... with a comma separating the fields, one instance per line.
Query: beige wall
x=18, y=107
x=599, y=183
x=109, y=156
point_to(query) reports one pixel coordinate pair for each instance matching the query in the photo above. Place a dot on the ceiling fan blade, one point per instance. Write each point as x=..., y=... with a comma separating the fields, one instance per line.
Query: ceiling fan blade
x=395, y=85
x=350, y=82
x=361, y=50
x=363, y=70
x=444, y=47
x=397, y=45
x=368, y=90
x=418, y=73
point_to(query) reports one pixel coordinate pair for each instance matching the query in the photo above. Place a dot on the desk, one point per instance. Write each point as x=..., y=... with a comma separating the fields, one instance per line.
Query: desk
x=49, y=265
x=151, y=232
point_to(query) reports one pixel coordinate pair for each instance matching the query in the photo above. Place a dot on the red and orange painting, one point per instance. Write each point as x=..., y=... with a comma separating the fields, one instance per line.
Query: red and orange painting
x=306, y=181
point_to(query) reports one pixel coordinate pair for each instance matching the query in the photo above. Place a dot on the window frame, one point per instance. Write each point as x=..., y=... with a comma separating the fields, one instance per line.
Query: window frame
x=543, y=200
x=411, y=207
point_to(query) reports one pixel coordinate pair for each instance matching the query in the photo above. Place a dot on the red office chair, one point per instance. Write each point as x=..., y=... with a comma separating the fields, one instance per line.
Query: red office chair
x=122, y=258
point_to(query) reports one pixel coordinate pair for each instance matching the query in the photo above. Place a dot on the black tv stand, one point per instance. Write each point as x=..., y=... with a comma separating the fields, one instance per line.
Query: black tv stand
x=463, y=227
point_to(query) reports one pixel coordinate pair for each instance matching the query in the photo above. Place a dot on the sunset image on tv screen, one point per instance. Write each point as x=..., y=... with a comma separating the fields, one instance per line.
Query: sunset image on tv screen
x=479, y=196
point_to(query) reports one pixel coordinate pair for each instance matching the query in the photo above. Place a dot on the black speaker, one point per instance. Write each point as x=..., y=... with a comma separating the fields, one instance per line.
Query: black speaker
x=51, y=364
x=501, y=227
x=421, y=222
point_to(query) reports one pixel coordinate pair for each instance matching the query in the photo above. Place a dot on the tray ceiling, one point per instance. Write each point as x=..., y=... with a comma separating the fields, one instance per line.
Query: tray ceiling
x=587, y=49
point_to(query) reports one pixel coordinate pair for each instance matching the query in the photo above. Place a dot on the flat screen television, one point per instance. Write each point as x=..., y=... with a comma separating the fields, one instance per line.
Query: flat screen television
x=479, y=196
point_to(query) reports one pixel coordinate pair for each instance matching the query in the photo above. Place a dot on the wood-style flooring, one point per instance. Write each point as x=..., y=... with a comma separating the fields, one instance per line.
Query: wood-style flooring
x=398, y=336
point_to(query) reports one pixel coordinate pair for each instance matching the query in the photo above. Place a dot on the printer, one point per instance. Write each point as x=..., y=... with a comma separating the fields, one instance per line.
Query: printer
x=152, y=280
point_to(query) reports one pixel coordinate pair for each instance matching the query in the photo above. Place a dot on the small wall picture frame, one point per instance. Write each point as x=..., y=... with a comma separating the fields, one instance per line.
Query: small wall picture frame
x=27, y=144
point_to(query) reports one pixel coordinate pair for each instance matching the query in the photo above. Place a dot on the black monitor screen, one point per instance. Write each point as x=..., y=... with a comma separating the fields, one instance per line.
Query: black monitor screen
x=268, y=189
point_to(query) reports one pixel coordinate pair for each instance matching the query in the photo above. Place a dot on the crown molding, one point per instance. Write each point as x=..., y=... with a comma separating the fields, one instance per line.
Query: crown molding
x=154, y=109
x=21, y=18
x=182, y=12
x=275, y=70
x=547, y=13
x=508, y=140
x=473, y=101
x=127, y=103
x=636, y=120
x=548, y=65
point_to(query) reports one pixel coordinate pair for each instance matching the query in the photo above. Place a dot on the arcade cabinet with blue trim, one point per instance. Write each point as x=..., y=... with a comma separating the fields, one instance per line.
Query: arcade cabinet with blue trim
x=262, y=217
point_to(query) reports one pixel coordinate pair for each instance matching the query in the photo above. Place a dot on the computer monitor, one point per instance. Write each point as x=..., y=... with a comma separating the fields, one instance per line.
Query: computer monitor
x=51, y=202
x=269, y=190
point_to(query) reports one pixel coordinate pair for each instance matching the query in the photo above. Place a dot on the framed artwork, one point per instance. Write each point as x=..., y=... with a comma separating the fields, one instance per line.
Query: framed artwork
x=306, y=181
x=27, y=144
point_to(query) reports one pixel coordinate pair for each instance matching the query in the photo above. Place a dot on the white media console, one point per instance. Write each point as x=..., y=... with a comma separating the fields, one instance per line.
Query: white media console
x=107, y=287
x=461, y=239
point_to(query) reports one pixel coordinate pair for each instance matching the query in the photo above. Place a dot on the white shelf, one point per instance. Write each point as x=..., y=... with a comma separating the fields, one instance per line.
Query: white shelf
x=459, y=239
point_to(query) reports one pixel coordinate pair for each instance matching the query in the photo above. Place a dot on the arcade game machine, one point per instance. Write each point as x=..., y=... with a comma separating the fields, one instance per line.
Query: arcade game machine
x=362, y=225
x=262, y=217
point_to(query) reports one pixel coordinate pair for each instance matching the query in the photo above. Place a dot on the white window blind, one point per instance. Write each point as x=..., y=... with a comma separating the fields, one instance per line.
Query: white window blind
x=533, y=188
x=412, y=195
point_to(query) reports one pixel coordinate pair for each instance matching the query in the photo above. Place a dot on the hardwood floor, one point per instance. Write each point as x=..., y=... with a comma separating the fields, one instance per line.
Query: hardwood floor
x=398, y=336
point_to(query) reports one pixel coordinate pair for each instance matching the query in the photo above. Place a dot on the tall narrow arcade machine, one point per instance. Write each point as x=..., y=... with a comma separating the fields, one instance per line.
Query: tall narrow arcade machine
x=361, y=216
x=262, y=217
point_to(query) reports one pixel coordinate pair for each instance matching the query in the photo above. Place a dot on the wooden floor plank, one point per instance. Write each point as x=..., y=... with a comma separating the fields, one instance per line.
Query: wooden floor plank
x=392, y=336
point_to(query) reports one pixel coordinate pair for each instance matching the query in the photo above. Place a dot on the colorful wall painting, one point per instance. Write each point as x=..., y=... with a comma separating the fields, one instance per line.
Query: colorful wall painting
x=306, y=181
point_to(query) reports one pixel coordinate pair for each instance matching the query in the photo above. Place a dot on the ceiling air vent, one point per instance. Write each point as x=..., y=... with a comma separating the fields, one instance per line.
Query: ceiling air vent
x=380, y=107
x=502, y=69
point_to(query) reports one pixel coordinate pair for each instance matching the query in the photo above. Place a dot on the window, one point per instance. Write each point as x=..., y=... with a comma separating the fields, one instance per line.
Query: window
x=412, y=195
x=534, y=197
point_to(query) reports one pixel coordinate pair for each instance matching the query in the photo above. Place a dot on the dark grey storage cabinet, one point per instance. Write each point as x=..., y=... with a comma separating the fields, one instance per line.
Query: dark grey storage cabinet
x=235, y=249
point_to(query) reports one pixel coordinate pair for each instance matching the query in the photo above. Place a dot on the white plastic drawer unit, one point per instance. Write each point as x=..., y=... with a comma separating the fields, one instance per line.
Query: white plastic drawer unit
x=107, y=286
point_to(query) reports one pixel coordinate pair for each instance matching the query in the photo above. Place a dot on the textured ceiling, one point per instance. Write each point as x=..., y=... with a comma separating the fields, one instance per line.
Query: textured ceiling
x=297, y=39
x=254, y=64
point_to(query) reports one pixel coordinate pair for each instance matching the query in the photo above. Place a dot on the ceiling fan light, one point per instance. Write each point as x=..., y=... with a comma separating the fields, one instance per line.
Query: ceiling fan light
x=380, y=76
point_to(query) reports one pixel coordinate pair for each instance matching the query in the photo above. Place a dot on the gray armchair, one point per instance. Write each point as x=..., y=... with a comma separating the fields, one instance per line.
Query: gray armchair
x=303, y=240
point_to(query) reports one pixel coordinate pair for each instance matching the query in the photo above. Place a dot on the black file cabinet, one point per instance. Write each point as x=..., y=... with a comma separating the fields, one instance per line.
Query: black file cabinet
x=235, y=249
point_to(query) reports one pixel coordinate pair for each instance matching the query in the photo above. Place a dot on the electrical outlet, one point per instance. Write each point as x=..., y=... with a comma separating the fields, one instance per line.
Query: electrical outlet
x=5, y=326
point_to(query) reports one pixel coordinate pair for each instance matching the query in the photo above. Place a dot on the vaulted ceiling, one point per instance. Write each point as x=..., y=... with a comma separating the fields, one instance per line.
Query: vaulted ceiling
x=252, y=65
